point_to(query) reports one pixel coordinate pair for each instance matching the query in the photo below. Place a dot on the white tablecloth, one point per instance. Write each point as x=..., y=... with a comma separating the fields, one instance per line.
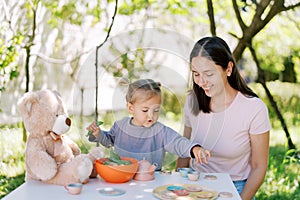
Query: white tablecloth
x=35, y=190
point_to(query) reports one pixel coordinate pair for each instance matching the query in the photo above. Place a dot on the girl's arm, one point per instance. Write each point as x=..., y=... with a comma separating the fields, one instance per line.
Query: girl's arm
x=184, y=162
x=96, y=131
x=104, y=137
x=259, y=164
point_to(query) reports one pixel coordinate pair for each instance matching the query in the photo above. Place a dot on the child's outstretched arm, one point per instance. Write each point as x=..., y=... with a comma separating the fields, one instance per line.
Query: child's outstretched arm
x=95, y=134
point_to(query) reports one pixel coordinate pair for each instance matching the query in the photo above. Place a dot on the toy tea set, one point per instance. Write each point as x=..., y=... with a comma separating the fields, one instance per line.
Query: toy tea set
x=145, y=171
x=116, y=169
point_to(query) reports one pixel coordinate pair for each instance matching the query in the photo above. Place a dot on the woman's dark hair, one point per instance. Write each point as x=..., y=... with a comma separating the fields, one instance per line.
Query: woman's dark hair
x=216, y=50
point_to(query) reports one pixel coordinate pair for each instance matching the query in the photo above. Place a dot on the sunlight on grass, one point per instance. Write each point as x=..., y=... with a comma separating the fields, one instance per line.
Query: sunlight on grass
x=12, y=150
x=277, y=137
x=282, y=180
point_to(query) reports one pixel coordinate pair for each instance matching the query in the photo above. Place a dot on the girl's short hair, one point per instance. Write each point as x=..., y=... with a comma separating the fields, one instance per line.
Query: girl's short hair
x=147, y=86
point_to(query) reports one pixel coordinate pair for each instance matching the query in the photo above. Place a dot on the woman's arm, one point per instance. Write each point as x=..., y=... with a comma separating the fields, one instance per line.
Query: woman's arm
x=259, y=164
x=184, y=162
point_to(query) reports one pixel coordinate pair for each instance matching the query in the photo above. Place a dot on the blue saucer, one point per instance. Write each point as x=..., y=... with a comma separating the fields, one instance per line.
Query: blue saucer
x=108, y=191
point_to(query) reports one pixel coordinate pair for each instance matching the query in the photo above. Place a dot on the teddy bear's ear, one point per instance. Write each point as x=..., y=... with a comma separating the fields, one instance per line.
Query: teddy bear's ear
x=26, y=102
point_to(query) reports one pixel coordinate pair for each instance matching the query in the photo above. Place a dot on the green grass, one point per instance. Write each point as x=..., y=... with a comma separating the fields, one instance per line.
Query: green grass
x=8, y=184
x=282, y=179
x=12, y=150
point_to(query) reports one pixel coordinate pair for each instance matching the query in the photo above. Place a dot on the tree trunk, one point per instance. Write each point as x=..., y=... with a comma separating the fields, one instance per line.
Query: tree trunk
x=261, y=79
x=28, y=46
x=210, y=12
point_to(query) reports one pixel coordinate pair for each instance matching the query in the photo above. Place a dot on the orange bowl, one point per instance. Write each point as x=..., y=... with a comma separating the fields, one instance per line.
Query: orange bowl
x=118, y=173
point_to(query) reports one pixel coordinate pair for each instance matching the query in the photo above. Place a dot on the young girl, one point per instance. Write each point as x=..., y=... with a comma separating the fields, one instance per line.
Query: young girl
x=142, y=136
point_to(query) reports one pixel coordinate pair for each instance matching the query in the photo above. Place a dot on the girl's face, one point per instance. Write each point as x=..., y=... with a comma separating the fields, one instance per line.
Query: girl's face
x=209, y=76
x=145, y=111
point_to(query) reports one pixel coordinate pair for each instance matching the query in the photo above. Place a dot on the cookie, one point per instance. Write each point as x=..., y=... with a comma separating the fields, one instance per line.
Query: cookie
x=165, y=172
x=167, y=194
x=194, y=188
x=181, y=192
x=225, y=194
x=205, y=195
x=210, y=177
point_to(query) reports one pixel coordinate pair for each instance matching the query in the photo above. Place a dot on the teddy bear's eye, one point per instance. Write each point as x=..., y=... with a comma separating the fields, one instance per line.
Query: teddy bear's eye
x=56, y=115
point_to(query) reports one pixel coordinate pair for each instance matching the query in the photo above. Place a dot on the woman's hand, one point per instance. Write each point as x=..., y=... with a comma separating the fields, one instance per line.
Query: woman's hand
x=94, y=128
x=201, y=155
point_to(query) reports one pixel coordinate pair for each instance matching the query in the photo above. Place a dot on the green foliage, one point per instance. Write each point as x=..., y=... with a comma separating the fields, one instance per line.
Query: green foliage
x=9, y=68
x=8, y=184
x=175, y=7
x=172, y=105
x=128, y=8
x=130, y=64
x=273, y=52
x=72, y=11
x=12, y=150
x=282, y=178
x=286, y=95
x=178, y=7
x=292, y=156
x=67, y=12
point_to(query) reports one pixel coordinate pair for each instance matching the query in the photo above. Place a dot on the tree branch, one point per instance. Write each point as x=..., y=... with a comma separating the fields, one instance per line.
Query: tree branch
x=97, y=50
x=261, y=79
x=210, y=12
x=238, y=16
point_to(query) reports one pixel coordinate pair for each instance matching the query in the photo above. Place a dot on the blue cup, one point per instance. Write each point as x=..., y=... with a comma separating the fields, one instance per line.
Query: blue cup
x=184, y=171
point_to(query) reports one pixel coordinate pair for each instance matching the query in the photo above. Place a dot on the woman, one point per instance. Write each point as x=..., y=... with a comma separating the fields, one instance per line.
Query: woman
x=226, y=117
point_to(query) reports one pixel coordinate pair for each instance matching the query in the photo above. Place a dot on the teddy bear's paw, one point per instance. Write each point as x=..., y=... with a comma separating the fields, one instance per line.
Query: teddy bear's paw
x=96, y=153
x=85, y=181
x=84, y=169
x=41, y=166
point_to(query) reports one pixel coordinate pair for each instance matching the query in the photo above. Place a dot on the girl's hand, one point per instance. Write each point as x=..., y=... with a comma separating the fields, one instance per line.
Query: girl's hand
x=94, y=128
x=201, y=155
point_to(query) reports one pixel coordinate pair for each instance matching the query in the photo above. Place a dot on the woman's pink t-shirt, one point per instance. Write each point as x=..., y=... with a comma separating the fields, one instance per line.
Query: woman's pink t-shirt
x=226, y=134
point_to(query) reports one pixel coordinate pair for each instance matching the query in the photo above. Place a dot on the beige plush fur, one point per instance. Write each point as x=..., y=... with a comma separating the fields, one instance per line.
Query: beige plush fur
x=52, y=157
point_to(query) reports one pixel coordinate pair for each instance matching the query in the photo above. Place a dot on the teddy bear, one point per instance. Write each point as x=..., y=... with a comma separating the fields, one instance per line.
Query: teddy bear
x=51, y=156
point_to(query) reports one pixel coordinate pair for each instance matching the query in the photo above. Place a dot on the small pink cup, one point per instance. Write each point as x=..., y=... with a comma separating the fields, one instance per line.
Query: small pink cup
x=74, y=188
x=193, y=176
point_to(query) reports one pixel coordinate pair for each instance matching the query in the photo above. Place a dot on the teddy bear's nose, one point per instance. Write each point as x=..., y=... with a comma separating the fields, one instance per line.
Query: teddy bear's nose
x=68, y=121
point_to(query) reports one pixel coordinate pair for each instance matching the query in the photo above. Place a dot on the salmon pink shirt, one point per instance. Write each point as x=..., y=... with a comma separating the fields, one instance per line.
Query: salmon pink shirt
x=227, y=133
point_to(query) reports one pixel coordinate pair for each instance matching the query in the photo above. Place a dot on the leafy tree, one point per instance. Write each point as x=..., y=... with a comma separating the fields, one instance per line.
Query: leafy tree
x=10, y=45
x=264, y=12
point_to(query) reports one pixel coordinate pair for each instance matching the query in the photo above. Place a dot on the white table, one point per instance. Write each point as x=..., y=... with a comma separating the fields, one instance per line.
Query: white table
x=35, y=190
